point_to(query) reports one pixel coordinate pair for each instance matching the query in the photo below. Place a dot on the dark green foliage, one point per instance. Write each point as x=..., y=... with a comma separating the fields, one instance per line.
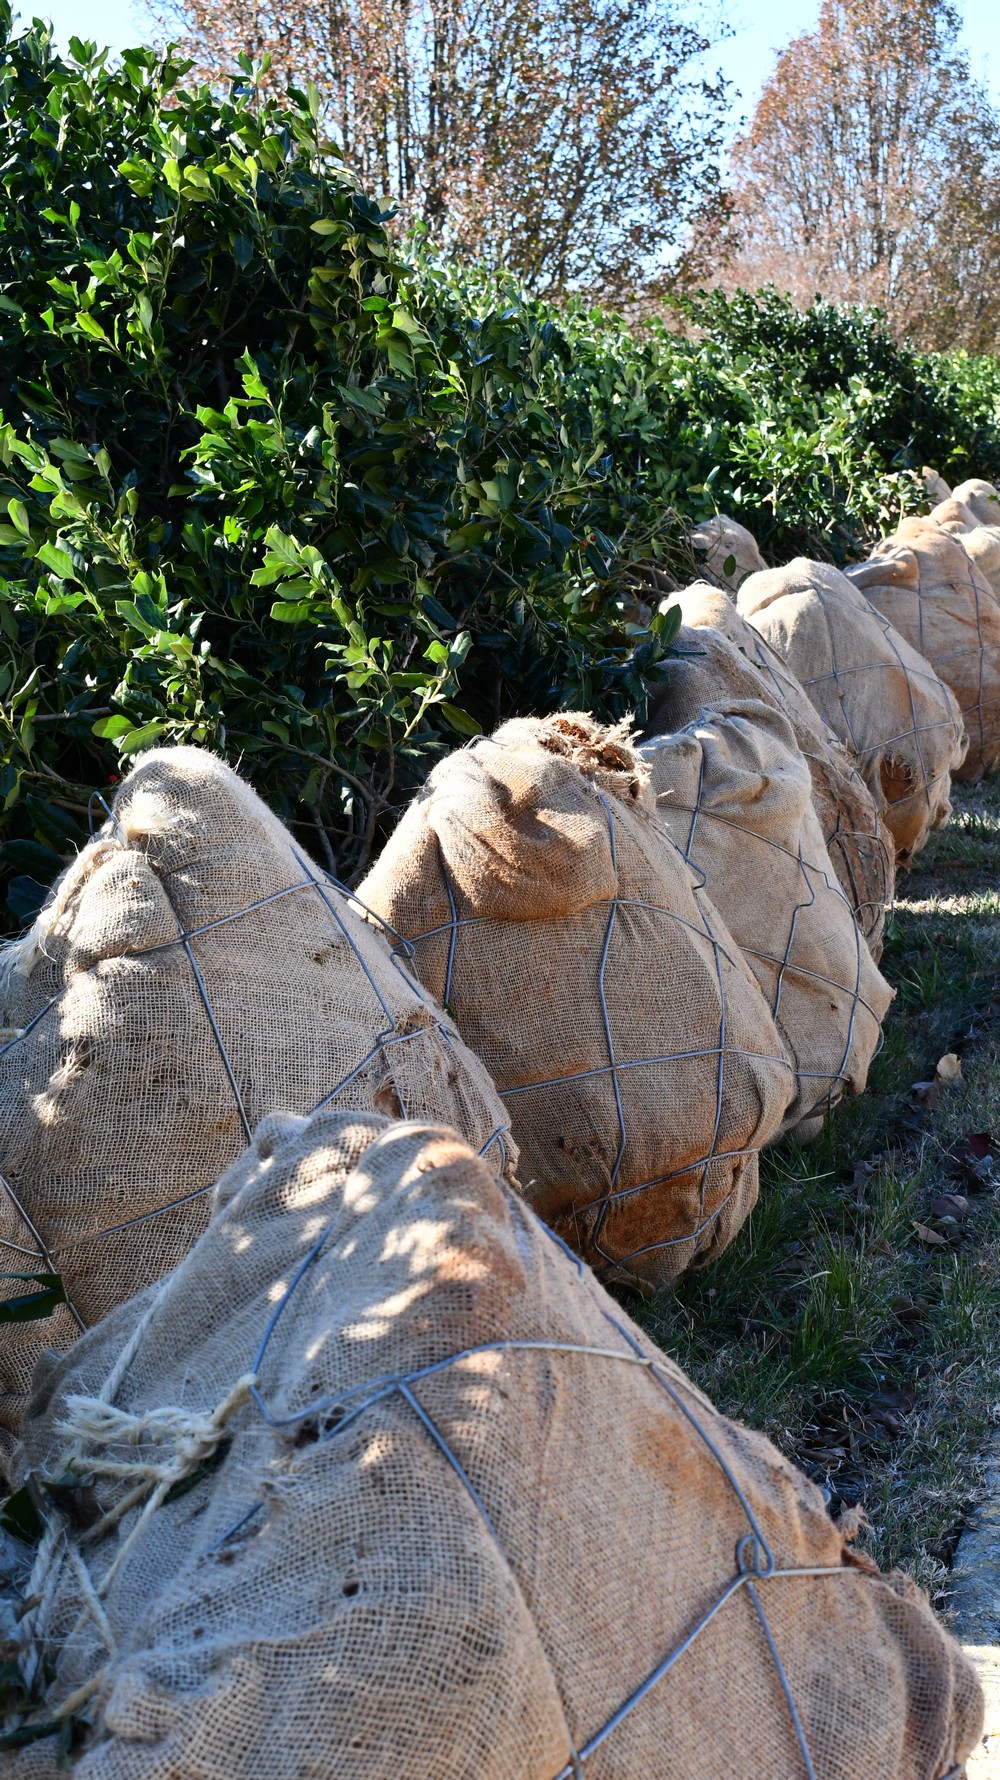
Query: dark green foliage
x=30, y=1307
x=250, y=499
x=914, y=408
x=267, y=485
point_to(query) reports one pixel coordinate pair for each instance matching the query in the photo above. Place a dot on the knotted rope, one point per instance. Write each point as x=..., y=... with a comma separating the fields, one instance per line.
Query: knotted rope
x=181, y=1440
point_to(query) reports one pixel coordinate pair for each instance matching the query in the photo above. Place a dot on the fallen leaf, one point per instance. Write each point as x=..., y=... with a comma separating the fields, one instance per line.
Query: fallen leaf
x=928, y=1094
x=950, y=1205
x=972, y=1159
x=949, y=1068
x=891, y=1422
x=860, y=1178
x=931, y=1237
x=899, y=1396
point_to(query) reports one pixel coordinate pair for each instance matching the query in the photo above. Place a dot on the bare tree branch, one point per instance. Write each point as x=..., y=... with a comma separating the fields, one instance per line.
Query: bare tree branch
x=570, y=140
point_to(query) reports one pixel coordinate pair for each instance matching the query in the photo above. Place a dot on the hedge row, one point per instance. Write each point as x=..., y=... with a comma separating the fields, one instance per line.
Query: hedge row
x=270, y=484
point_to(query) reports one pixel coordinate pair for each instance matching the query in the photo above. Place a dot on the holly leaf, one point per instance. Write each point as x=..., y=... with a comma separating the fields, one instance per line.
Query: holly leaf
x=30, y=1307
x=19, y=1516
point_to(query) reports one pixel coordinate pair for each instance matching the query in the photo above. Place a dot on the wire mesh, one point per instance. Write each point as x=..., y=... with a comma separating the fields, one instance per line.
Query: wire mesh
x=947, y=595
x=756, y=1570
x=729, y=645
x=861, y=712
x=807, y=889
x=594, y=1212
x=335, y=898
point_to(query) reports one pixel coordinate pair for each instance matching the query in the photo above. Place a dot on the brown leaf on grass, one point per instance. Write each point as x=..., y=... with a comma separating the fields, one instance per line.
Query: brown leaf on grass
x=927, y=1093
x=797, y=1261
x=949, y=1069
x=932, y=1238
x=980, y=1145
x=895, y=1396
x=860, y=1178
x=891, y=1422
x=950, y=1205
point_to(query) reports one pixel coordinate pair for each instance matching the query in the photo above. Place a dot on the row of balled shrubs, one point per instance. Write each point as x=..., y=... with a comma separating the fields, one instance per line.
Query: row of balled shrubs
x=356, y=1468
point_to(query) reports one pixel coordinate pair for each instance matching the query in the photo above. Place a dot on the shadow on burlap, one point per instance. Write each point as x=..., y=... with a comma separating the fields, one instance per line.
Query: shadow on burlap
x=450, y=1513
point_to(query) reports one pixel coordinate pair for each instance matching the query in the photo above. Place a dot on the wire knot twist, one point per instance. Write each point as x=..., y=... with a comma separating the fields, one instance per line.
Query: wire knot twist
x=753, y=1557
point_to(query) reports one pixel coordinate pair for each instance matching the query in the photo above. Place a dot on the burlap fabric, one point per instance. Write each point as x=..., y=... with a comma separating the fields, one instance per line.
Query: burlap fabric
x=982, y=542
x=719, y=655
x=734, y=793
x=883, y=700
x=628, y=1039
x=981, y=498
x=193, y=971
x=468, y=1523
x=729, y=552
x=925, y=583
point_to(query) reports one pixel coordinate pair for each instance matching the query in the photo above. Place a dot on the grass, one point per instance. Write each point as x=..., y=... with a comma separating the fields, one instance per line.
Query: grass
x=854, y=1318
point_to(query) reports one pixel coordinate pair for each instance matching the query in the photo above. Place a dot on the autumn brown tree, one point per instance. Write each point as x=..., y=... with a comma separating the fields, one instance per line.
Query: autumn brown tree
x=869, y=171
x=949, y=291
x=571, y=140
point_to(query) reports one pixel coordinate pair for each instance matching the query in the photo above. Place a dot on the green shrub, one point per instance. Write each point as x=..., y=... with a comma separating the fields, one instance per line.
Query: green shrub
x=907, y=408
x=250, y=500
x=271, y=484
x=688, y=426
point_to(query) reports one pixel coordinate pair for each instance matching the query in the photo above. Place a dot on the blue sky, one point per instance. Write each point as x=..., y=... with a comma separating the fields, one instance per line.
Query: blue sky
x=747, y=58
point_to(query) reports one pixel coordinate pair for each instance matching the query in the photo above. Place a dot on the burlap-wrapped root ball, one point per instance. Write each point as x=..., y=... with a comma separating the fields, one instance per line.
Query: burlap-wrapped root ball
x=981, y=542
x=729, y=552
x=450, y=1515
x=630, y=1043
x=883, y=700
x=928, y=587
x=935, y=486
x=193, y=971
x=981, y=498
x=719, y=655
x=734, y=793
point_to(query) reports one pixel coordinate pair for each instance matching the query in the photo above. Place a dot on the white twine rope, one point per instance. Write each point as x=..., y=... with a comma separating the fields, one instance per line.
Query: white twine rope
x=181, y=1440
x=190, y=1435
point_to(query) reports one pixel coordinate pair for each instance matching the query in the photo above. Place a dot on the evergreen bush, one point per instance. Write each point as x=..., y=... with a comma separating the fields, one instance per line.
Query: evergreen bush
x=271, y=483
